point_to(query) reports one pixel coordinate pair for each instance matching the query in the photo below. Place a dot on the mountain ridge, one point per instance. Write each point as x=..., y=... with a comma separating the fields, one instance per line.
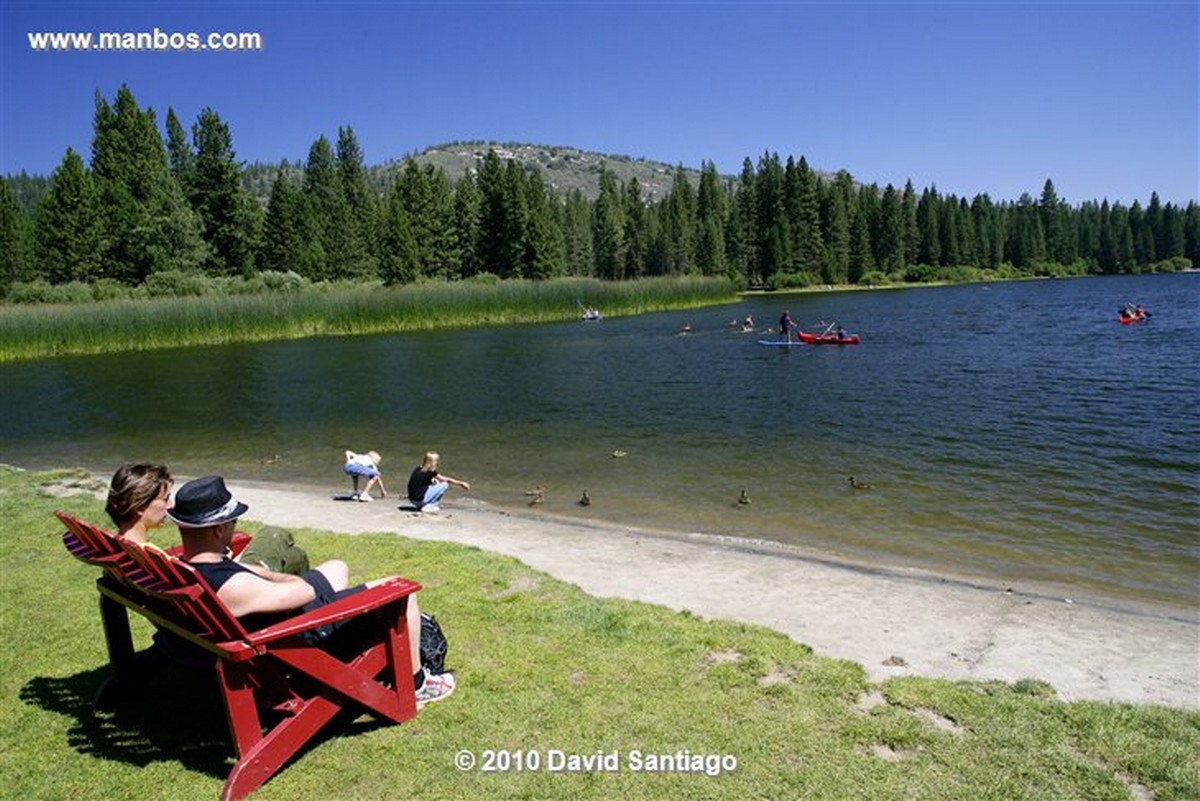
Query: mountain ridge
x=564, y=168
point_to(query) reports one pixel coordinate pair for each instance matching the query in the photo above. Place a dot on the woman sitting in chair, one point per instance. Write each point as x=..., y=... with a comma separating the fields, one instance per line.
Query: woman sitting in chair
x=138, y=499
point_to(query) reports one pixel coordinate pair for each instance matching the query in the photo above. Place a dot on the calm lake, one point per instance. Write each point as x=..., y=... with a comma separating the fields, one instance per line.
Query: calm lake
x=1012, y=433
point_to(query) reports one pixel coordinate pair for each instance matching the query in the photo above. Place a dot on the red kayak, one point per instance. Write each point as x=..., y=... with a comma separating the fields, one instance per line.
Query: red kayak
x=1136, y=318
x=828, y=339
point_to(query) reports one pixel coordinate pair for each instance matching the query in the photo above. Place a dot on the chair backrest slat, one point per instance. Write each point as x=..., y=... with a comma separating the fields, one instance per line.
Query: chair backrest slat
x=93, y=541
x=206, y=612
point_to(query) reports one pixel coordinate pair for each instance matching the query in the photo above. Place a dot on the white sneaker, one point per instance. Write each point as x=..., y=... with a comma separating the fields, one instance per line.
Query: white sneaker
x=435, y=688
x=364, y=497
x=432, y=508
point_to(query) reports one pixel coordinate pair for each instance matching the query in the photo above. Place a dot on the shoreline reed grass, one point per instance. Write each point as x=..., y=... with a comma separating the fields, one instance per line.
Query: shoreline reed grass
x=35, y=332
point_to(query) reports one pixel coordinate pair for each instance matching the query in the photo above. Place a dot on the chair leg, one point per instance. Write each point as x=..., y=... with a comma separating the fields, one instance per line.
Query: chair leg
x=121, y=658
x=117, y=637
x=262, y=761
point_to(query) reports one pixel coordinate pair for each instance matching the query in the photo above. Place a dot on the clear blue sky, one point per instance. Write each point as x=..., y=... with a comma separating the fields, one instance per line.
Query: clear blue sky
x=996, y=97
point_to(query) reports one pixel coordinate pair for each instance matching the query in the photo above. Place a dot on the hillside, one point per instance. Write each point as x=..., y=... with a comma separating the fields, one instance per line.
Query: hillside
x=564, y=168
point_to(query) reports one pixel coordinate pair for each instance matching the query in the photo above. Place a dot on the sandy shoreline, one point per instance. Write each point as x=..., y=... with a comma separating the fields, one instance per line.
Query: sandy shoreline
x=917, y=623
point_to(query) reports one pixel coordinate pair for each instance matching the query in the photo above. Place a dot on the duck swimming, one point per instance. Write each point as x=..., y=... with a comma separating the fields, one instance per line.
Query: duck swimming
x=856, y=484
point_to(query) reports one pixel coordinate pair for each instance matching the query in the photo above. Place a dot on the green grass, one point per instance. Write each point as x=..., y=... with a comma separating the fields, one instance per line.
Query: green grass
x=39, y=331
x=542, y=665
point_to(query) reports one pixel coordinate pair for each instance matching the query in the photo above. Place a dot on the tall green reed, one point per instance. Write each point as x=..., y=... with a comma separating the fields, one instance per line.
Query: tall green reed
x=31, y=332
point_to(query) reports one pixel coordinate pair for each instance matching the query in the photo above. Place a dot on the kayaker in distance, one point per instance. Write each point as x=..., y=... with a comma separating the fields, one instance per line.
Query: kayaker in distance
x=1130, y=313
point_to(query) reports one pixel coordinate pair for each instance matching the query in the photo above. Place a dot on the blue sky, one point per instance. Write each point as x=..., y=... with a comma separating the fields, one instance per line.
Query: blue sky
x=996, y=97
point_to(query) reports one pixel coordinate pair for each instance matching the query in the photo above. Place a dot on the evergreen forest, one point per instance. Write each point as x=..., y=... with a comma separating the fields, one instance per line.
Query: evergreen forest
x=169, y=212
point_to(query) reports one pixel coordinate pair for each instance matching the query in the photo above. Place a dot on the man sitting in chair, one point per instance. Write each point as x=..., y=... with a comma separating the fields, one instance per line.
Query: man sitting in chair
x=207, y=513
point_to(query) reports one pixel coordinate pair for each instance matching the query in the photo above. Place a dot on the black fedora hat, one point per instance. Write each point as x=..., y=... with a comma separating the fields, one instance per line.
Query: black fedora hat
x=205, y=502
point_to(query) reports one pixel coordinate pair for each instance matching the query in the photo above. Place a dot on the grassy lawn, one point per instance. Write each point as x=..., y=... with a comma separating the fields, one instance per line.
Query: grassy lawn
x=544, y=667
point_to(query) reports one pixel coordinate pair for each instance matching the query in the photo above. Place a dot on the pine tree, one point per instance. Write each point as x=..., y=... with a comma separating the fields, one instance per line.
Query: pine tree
x=516, y=220
x=711, y=215
x=1026, y=240
x=1156, y=223
x=226, y=211
x=743, y=230
x=1173, y=244
x=443, y=265
x=910, y=231
x=428, y=227
x=467, y=202
x=948, y=231
x=1087, y=234
x=837, y=200
x=492, y=216
x=966, y=233
x=1124, y=250
x=285, y=237
x=148, y=225
x=679, y=224
x=889, y=232
x=636, y=230
x=1057, y=227
x=68, y=225
x=360, y=260
x=861, y=259
x=930, y=251
x=326, y=211
x=180, y=157
x=771, y=227
x=577, y=235
x=608, y=228
x=541, y=255
x=1143, y=236
x=981, y=214
x=398, y=259
x=1191, y=232
x=14, y=239
x=803, y=202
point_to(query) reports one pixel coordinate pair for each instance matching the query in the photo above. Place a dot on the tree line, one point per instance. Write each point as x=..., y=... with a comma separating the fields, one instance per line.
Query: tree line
x=145, y=204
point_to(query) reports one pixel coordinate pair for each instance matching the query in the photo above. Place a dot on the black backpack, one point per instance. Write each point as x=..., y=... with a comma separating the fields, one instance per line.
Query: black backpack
x=433, y=645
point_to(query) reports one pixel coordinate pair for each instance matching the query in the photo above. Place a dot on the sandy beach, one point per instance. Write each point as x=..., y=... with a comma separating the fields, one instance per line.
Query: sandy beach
x=892, y=621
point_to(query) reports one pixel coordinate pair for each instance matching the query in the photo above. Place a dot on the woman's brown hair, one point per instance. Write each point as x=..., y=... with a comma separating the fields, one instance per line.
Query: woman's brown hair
x=134, y=487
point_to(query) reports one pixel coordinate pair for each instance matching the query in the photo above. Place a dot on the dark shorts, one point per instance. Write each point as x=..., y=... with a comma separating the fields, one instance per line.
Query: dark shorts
x=325, y=635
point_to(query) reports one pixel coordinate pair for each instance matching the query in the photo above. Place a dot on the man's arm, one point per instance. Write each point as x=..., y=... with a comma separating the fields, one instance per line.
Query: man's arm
x=264, y=591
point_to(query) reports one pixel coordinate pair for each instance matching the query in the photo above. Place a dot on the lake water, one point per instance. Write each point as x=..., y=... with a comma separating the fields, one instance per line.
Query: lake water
x=1012, y=433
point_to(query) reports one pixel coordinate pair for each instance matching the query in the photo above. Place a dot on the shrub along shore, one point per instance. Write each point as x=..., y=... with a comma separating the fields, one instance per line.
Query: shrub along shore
x=41, y=331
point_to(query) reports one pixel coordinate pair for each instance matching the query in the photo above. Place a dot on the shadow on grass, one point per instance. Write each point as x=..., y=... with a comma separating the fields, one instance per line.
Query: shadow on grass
x=179, y=717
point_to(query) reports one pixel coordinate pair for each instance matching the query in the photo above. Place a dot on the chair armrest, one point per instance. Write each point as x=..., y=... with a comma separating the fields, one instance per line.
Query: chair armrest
x=239, y=542
x=371, y=598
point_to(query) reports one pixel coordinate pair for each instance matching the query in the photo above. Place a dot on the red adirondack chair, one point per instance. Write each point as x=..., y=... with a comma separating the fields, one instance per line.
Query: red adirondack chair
x=97, y=546
x=274, y=669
